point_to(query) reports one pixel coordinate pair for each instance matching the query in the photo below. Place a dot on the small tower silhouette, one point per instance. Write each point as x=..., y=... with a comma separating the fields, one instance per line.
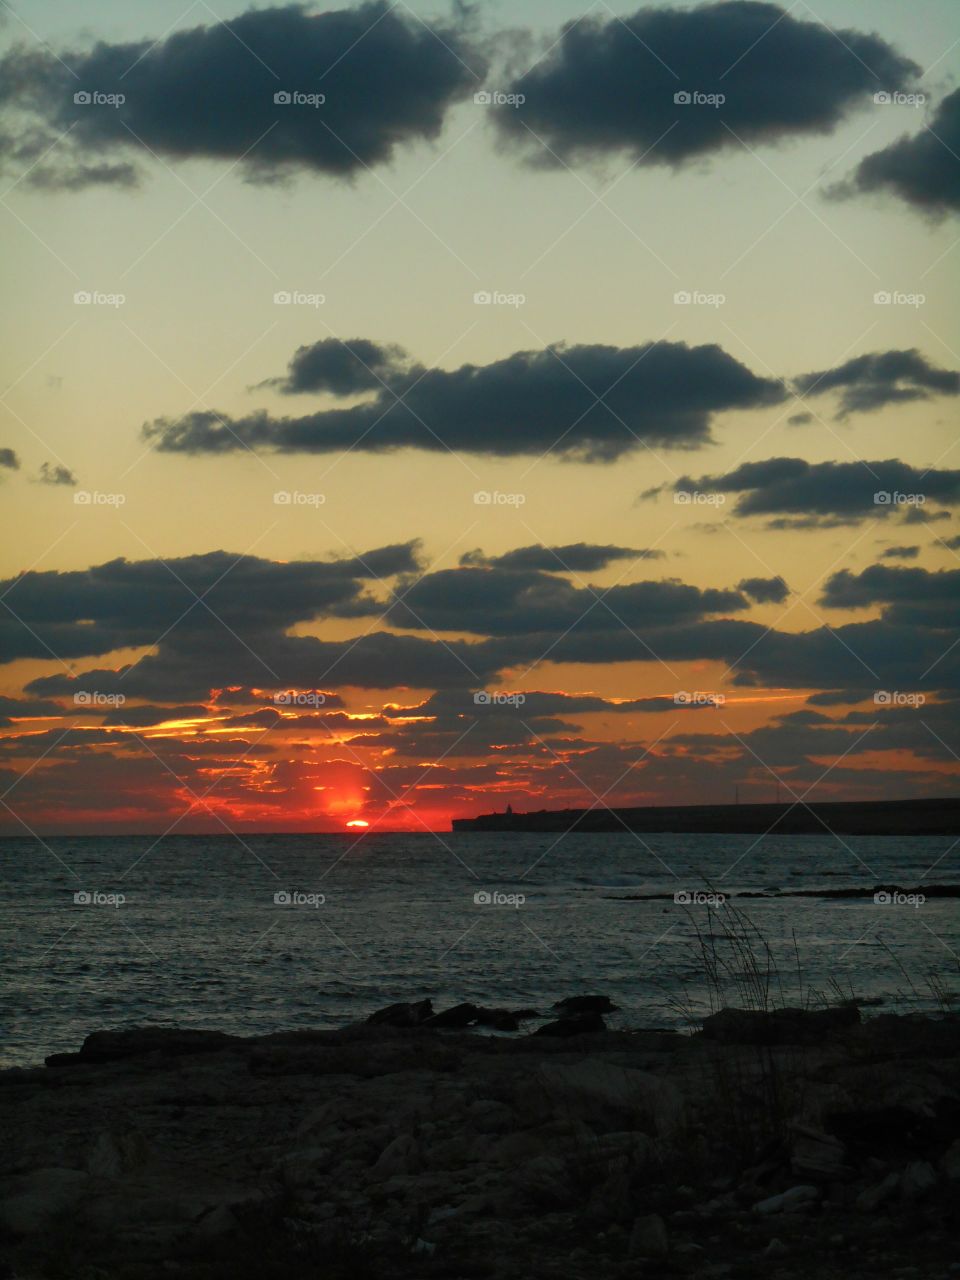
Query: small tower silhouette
x=509, y=811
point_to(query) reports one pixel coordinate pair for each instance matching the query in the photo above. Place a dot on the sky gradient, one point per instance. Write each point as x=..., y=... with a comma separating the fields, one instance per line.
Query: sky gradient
x=405, y=454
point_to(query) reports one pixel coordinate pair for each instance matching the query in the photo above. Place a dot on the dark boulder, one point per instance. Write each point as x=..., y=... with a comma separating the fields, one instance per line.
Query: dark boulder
x=111, y=1046
x=585, y=1004
x=459, y=1016
x=403, y=1014
x=779, y=1026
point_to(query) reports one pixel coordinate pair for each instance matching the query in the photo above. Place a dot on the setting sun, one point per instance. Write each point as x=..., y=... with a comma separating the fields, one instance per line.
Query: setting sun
x=358, y=822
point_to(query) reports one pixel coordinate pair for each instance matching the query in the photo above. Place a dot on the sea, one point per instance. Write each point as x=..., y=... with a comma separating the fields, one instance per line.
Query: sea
x=260, y=933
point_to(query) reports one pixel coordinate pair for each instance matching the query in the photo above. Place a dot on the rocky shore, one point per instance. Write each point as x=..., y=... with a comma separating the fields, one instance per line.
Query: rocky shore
x=800, y=1143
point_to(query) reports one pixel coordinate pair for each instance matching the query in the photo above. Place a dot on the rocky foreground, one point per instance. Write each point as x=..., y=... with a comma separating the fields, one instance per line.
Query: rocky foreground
x=800, y=1143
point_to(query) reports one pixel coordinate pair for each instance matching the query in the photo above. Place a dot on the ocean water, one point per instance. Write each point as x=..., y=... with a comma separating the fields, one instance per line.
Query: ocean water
x=190, y=931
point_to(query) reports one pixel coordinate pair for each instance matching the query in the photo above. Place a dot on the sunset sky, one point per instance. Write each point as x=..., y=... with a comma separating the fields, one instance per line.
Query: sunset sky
x=414, y=410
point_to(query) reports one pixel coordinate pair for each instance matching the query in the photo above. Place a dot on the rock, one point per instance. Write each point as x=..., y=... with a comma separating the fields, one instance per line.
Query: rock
x=401, y=1156
x=778, y=1026
x=602, y=1092
x=459, y=1016
x=216, y=1223
x=648, y=1238
x=816, y=1154
x=776, y=1249
x=402, y=1015
x=788, y=1201
x=115, y=1154
x=871, y=1199
x=917, y=1180
x=113, y=1046
x=582, y=1024
x=33, y=1201
x=585, y=1004
x=950, y=1162
x=498, y=1019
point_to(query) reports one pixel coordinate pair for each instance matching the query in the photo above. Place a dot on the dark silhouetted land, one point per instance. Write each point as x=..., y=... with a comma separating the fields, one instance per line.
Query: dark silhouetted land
x=852, y=818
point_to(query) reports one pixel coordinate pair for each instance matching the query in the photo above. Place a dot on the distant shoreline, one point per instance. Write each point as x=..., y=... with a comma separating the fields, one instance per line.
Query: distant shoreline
x=940, y=817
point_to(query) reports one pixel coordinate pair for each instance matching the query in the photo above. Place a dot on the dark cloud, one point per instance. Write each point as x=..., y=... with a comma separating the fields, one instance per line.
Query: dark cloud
x=953, y=544
x=196, y=602
x=575, y=557
x=609, y=84
x=765, y=590
x=343, y=367
x=828, y=493
x=592, y=402
x=900, y=553
x=210, y=92
x=799, y=419
x=498, y=602
x=14, y=709
x=50, y=474
x=9, y=459
x=908, y=597
x=872, y=381
x=921, y=168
